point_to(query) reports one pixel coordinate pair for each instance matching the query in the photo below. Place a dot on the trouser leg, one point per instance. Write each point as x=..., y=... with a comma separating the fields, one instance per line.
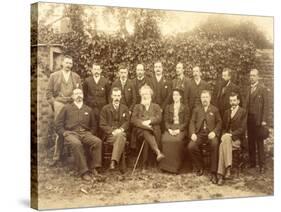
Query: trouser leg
x=252, y=140
x=214, y=154
x=59, y=142
x=78, y=152
x=261, y=155
x=225, y=154
x=94, y=144
x=150, y=139
x=119, y=142
x=195, y=152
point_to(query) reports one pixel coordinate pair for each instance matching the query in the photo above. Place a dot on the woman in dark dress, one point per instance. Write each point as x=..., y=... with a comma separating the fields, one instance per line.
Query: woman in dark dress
x=176, y=118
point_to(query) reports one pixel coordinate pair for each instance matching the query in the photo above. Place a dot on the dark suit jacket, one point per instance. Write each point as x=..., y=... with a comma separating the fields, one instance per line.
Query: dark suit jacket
x=162, y=92
x=95, y=94
x=106, y=119
x=137, y=84
x=221, y=99
x=237, y=125
x=128, y=94
x=195, y=93
x=259, y=103
x=71, y=117
x=213, y=120
x=54, y=84
x=154, y=114
x=184, y=117
x=184, y=85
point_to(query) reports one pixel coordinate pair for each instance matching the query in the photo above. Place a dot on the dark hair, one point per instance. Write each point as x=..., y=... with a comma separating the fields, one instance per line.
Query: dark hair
x=115, y=89
x=178, y=90
x=229, y=71
x=122, y=66
x=232, y=94
x=206, y=91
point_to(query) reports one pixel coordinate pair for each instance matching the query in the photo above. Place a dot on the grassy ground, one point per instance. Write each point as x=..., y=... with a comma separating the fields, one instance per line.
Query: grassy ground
x=60, y=187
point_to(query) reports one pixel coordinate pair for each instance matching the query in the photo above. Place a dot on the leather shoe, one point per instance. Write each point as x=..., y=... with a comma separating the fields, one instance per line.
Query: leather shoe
x=214, y=178
x=160, y=156
x=199, y=172
x=112, y=165
x=95, y=172
x=86, y=177
x=220, y=180
x=228, y=173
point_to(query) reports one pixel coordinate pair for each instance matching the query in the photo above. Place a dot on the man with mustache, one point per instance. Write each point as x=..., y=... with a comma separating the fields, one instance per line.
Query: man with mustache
x=96, y=89
x=160, y=86
x=233, y=133
x=146, y=119
x=197, y=85
x=59, y=91
x=140, y=80
x=205, y=127
x=256, y=105
x=77, y=123
x=114, y=122
x=128, y=97
x=182, y=82
x=226, y=87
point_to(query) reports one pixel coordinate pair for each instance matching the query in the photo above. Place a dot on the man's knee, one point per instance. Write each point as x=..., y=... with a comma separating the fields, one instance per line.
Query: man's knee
x=73, y=141
x=214, y=143
x=226, y=138
x=192, y=146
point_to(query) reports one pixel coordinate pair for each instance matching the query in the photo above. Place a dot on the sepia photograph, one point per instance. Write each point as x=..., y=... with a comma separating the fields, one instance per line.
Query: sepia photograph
x=137, y=106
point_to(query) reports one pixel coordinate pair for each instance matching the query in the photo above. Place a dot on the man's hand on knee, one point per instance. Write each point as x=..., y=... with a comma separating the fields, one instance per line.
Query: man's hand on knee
x=211, y=135
x=194, y=137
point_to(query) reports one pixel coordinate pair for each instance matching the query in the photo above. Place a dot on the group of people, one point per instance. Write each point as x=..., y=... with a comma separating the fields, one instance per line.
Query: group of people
x=172, y=117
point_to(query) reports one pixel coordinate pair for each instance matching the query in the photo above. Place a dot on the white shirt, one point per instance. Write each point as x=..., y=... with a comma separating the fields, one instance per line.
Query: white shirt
x=123, y=82
x=79, y=104
x=234, y=111
x=206, y=108
x=116, y=106
x=97, y=79
x=158, y=77
x=66, y=75
x=197, y=81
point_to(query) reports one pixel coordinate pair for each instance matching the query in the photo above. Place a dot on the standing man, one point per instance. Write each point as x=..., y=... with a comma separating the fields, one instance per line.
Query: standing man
x=205, y=127
x=160, y=86
x=221, y=97
x=96, y=89
x=233, y=134
x=128, y=97
x=77, y=123
x=59, y=91
x=146, y=119
x=197, y=85
x=181, y=82
x=140, y=80
x=114, y=122
x=256, y=104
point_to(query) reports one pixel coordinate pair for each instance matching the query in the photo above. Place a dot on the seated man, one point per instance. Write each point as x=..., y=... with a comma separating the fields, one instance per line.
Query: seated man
x=76, y=122
x=146, y=119
x=205, y=126
x=114, y=122
x=233, y=131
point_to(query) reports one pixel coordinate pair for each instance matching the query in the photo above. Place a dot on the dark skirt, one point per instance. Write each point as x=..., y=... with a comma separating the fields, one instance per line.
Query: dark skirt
x=173, y=149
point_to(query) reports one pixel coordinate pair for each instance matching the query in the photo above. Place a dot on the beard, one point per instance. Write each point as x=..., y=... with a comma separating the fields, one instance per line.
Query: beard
x=146, y=102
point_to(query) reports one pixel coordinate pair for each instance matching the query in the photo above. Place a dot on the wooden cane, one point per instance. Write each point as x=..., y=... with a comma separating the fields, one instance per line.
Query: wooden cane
x=137, y=160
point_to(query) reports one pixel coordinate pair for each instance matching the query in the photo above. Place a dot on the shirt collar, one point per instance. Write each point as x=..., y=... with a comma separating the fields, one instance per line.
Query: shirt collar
x=79, y=104
x=197, y=81
x=96, y=78
x=254, y=85
x=158, y=77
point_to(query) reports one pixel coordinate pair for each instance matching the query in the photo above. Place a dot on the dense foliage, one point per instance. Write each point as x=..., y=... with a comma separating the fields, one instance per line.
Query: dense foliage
x=207, y=46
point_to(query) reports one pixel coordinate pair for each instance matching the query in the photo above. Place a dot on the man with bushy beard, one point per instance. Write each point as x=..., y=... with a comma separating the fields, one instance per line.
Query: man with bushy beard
x=222, y=94
x=77, y=123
